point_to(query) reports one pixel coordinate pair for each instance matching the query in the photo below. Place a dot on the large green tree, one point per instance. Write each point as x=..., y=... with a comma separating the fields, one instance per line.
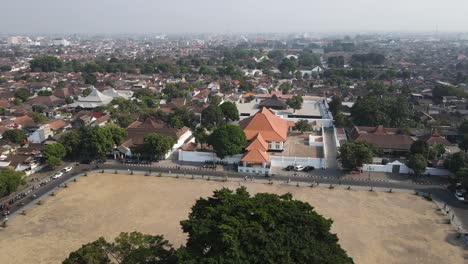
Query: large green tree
x=46, y=64
x=14, y=135
x=230, y=111
x=53, y=154
x=127, y=248
x=154, y=146
x=303, y=125
x=212, y=116
x=227, y=140
x=231, y=227
x=295, y=102
x=417, y=163
x=10, y=180
x=388, y=111
x=266, y=228
x=355, y=154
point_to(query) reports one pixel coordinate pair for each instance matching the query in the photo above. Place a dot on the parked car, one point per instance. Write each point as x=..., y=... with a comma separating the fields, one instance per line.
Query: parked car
x=355, y=172
x=460, y=194
x=309, y=168
x=289, y=168
x=299, y=168
x=67, y=169
x=57, y=175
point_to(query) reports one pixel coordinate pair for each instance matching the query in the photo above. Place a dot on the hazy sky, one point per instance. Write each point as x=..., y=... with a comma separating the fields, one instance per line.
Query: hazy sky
x=180, y=16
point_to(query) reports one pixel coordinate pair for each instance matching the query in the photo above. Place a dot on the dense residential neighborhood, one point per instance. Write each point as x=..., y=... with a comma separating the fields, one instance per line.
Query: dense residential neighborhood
x=386, y=109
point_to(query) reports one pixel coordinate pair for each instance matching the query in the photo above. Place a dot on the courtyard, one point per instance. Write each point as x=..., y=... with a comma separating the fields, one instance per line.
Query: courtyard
x=372, y=227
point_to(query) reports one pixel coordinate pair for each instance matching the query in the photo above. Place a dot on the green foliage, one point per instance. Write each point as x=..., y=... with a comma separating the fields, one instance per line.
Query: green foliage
x=230, y=111
x=154, y=146
x=463, y=128
x=39, y=118
x=53, y=162
x=285, y=87
x=266, y=228
x=10, y=180
x=303, y=125
x=227, y=140
x=14, y=135
x=46, y=64
x=44, y=93
x=374, y=111
x=212, y=116
x=214, y=99
x=335, y=105
x=22, y=94
x=89, y=78
x=367, y=59
x=124, y=120
x=419, y=147
x=68, y=99
x=336, y=61
x=443, y=90
x=455, y=162
x=5, y=68
x=418, y=163
x=201, y=136
x=288, y=66
x=71, y=142
x=231, y=227
x=464, y=143
x=54, y=150
x=355, y=154
x=295, y=102
x=96, y=252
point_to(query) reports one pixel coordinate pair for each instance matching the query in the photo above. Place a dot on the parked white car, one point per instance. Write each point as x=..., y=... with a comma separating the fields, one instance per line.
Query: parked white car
x=57, y=175
x=460, y=195
x=298, y=168
x=67, y=169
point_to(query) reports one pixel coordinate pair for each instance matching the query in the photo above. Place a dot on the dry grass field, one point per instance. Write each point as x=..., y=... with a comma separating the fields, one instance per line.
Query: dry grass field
x=372, y=227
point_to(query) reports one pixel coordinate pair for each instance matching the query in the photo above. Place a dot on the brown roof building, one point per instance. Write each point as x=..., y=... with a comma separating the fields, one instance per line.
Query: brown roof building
x=387, y=139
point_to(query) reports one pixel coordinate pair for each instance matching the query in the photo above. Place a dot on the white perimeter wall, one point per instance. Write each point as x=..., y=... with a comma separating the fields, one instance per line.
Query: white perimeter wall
x=403, y=169
x=282, y=161
x=195, y=156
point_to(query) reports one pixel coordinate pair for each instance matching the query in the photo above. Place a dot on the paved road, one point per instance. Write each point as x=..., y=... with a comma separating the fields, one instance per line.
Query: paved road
x=439, y=192
x=330, y=145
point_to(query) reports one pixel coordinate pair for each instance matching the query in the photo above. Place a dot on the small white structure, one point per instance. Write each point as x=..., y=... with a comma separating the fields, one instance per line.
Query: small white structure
x=93, y=100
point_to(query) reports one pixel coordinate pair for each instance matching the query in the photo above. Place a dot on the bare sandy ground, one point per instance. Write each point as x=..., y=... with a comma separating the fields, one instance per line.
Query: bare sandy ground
x=372, y=227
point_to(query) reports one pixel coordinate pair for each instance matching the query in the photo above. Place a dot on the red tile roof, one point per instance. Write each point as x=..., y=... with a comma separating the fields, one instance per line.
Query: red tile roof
x=272, y=128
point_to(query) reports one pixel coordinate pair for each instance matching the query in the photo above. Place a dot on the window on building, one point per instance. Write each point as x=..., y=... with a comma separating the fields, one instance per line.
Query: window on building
x=278, y=145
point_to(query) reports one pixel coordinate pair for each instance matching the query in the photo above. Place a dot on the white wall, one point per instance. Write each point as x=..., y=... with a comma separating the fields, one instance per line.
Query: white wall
x=403, y=169
x=282, y=161
x=196, y=156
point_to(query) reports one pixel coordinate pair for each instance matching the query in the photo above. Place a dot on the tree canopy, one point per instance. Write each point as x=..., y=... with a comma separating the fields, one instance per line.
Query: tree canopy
x=212, y=116
x=154, y=146
x=46, y=64
x=53, y=154
x=355, y=154
x=417, y=163
x=231, y=227
x=295, y=102
x=303, y=125
x=14, y=135
x=10, y=180
x=227, y=140
x=387, y=111
x=230, y=111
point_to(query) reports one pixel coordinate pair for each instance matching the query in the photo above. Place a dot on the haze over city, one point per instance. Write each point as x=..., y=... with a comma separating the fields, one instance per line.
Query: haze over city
x=185, y=16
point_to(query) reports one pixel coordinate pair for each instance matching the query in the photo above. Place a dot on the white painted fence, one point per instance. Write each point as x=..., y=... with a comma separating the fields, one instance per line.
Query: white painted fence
x=282, y=161
x=196, y=156
x=388, y=168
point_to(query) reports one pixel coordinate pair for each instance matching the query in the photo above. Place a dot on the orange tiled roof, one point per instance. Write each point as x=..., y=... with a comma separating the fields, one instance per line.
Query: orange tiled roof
x=272, y=128
x=255, y=156
x=257, y=143
x=57, y=124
